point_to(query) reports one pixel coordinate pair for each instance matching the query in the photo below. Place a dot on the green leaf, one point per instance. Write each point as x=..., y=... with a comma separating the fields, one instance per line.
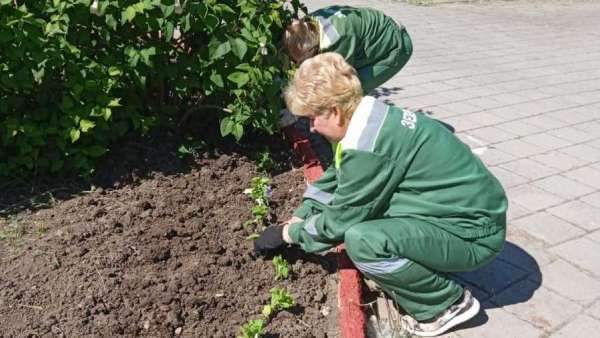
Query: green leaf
x=267, y=310
x=128, y=14
x=217, y=79
x=86, y=125
x=111, y=21
x=222, y=50
x=211, y=22
x=96, y=151
x=238, y=131
x=146, y=53
x=114, y=71
x=167, y=10
x=107, y=113
x=238, y=47
x=226, y=126
x=169, y=28
x=114, y=102
x=253, y=237
x=239, y=78
x=74, y=133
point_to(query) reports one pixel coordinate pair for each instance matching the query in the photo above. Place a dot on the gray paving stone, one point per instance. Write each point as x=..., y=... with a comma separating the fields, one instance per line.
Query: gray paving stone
x=582, y=252
x=516, y=211
x=594, y=310
x=591, y=127
x=527, y=252
x=563, y=187
x=592, y=199
x=520, y=128
x=558, y=160
x=573, y=116
x=594, y=236
x=543, y=308
x=494, y=321
x=579, y=213
x=529, y=169
x=548, y=228
x=571, y=134
x=585, y=175
x=507, y=178
x=533, y=198
x=594, y=143
x=581, y=327
x=494, y=277
x=546, y=141
x=545, y=122
x=485, y=118
x=492, y=134
x=519, y=148
x=583, y=152
x=485, y=102
x=461, y=123
x=493, y=156
x=571, y=282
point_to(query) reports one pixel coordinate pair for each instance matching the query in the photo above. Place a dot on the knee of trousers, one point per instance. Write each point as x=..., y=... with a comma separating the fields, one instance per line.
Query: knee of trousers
x=355, y=246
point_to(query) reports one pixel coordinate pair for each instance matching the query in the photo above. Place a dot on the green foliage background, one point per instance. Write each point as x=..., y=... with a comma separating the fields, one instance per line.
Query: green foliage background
x=75, y=77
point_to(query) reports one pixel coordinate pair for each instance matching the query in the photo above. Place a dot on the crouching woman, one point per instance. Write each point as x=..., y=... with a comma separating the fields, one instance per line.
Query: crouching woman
x=408, y=199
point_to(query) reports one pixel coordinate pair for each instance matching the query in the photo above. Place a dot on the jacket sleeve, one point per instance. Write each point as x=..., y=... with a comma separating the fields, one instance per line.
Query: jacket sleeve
x=366, y=183
x=318, y=194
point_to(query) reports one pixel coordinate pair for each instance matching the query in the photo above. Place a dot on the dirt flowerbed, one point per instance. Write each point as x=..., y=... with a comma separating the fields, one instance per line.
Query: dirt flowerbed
x=165, y=255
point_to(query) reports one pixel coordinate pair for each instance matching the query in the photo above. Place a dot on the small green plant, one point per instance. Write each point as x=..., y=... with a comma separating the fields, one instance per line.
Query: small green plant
x=252, y=329
x=253, y=236
x=40, y=230
x=260, y=192
x=264, y=160
x=280, y=300
x=13, y=232
x=282, y=268
x=190, y=147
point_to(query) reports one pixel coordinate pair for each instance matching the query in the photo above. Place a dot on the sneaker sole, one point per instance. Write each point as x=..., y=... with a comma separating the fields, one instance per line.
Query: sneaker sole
x=463, y=317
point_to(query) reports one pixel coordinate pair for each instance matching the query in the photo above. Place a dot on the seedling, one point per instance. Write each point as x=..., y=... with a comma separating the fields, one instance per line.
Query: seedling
x=253, y=237
x=190, y=147
x=260, y=192
x=280, y=300
x=13, y=232
x=264, y=160
x=252, y=329
x=40, y=230
x=282, y=268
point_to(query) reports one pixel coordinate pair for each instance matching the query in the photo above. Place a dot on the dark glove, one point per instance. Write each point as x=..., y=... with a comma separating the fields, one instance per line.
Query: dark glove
x=270, y=239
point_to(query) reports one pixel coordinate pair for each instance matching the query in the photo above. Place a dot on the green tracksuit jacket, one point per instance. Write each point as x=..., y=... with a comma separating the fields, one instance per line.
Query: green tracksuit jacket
x=371, y=42
x=397, y=163
x=410, y=202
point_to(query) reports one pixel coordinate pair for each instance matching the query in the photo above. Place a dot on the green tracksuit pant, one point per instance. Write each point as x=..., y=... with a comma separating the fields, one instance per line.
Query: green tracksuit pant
x=410, y=259
x=374, y=75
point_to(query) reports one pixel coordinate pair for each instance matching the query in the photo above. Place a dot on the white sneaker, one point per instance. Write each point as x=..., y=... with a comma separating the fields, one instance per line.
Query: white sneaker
x=465, y=309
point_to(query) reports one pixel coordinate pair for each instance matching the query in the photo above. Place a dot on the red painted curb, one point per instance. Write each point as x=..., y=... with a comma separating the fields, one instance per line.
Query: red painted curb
x=351, y=318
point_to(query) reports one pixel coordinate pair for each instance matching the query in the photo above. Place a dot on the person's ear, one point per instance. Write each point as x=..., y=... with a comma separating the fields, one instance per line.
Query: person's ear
x=338, y=115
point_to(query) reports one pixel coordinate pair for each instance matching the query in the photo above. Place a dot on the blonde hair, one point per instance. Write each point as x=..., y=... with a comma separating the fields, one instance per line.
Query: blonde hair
x=301, y=39
x=321, y=83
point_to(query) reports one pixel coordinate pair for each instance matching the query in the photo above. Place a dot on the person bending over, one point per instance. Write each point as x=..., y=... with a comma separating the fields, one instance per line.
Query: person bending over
x=370, y=41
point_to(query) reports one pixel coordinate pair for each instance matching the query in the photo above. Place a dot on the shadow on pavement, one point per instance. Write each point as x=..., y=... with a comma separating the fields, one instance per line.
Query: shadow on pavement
x=382, y=92
x=512, y=278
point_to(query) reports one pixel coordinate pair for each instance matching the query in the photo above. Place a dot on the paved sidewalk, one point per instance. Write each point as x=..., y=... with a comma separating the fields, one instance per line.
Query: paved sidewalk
x=520, y=82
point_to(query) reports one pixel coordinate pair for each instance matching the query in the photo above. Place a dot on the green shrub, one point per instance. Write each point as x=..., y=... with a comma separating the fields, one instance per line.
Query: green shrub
x=75, y=77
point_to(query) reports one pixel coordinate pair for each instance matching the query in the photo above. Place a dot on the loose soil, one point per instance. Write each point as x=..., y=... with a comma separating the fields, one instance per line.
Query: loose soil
x=159, y=254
